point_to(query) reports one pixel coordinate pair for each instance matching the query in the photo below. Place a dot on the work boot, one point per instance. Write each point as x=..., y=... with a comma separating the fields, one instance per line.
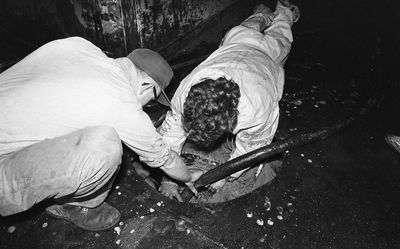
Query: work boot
x=99, y=218
x=294, y=8
x=394, y=142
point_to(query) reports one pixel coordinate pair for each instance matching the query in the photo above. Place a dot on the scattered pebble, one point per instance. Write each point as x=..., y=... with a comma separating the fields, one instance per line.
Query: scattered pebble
x=321, y=102
x=309, y=160
x=141, y=217
x=297, y=102
x=97, y=235
x=121, y=223
x=302, y=155
x=279, y=217
x=117, y=230
x=44, y=224
x=249, y=215
x=116, y=187
x=187, y=231
x=270, y=222
x=260, y=222
x=11, y=229
x=289, y=204
x=132, y=231
x=118, y=242
x=151, y=210
x=280, y=209
x=159, y=203
x=316, y=106
x=119, y=193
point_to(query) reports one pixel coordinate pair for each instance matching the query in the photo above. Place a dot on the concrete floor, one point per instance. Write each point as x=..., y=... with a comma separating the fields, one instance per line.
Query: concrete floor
x=341, y=192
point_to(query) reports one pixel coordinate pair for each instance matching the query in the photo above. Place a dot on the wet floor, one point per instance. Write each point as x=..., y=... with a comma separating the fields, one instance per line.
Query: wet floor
x=341, y=192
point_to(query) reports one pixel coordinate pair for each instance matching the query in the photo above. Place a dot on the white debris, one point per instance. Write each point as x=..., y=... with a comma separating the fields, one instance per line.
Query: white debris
x=260, y=222
x=44, y=224
x=116, y=187
x=279, y=217
x=119, y=193
x=132, y=231
x=118, y=242
x=321, y=102
x=121, y=223
x=297, y=102
x=96, y=235
x=289, y=204
x=159, y=203
x=316, y=106
x=249, y=215
x=280, y=209
x=117, y=230
x=11, y=229
x=151, y=210
x=309, y=161
x=141, y=217
x=187, y=231
x=270, y=222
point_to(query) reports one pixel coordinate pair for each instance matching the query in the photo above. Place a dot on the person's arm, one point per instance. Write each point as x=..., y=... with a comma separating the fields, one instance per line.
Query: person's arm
x=172, y=131
x=253, y=138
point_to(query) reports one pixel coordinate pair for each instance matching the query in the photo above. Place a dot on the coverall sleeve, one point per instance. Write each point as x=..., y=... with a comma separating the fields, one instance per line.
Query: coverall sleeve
x=137, y=131
x=172, y=131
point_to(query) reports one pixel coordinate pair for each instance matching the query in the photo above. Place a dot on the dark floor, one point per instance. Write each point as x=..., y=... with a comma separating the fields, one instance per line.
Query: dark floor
x=342, y=192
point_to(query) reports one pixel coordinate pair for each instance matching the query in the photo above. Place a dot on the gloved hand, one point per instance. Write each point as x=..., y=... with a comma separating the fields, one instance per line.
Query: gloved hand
x=170, y=190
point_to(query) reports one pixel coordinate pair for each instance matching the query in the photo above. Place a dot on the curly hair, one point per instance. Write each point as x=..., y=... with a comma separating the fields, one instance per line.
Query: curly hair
x=210, y=111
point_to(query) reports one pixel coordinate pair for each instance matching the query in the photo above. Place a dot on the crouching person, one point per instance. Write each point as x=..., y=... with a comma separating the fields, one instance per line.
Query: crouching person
x=65, y=110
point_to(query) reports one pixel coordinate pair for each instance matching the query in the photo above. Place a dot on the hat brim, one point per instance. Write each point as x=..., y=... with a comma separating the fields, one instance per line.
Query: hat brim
x=163, y=99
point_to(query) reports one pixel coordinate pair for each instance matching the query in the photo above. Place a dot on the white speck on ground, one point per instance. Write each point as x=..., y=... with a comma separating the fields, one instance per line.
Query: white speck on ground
x=309, y=160
x=260, y=222
x=121, y=223
x=249, y=215
x=117, y=230
x=118, y=242
x=279, y=217
x=270, y=222
x=44, y=224
x=151, y=210
x=11, y=229
x=119, y=193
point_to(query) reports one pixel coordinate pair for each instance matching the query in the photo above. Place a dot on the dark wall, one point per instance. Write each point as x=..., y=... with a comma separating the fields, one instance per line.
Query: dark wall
x=117, y=26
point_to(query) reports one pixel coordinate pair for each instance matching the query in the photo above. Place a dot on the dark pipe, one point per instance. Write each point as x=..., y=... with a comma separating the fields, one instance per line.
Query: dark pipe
x=257, y=156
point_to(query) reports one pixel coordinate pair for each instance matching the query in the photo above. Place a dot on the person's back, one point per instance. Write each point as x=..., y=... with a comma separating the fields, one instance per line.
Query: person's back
x=65, y=85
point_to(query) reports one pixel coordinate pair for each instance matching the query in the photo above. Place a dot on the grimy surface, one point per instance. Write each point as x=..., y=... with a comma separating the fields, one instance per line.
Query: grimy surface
x=342, y=192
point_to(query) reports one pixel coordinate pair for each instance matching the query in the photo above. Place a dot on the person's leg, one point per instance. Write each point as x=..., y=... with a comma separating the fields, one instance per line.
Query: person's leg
x=275, y=41
x=77, y=168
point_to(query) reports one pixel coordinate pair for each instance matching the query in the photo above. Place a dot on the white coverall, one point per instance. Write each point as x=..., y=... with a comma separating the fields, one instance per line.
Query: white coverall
x=254, y=60
x=64, y=110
